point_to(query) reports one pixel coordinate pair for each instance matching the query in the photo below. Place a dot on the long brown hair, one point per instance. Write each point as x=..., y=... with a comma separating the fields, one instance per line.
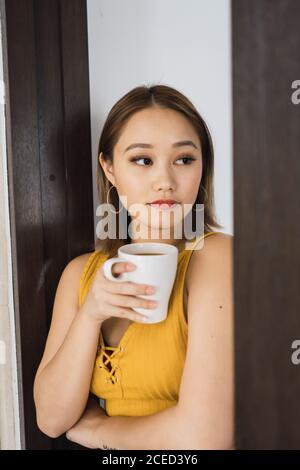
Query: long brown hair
x=139, y=98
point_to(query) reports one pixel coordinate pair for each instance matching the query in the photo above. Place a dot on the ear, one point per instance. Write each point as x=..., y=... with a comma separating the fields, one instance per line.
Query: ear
x=107, y=168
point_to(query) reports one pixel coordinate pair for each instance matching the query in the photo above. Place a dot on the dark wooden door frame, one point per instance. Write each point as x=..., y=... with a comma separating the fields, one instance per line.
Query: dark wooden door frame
x=46, y=78
x=266, y=51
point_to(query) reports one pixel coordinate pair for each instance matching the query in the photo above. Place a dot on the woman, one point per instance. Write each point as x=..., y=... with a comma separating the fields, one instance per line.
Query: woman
x=161, y=386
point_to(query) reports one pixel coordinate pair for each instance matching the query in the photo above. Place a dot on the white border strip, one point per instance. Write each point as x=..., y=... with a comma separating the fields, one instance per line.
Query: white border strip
x=10, y=435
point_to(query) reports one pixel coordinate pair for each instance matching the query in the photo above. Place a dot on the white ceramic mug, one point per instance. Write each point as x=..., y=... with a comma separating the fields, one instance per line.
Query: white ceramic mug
x=157, y=270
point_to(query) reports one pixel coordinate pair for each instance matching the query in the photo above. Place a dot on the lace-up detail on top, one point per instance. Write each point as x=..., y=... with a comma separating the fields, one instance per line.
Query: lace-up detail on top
x=108, y=362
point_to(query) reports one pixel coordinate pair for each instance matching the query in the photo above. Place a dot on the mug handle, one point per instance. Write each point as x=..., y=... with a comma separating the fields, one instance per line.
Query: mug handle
x=106, y=268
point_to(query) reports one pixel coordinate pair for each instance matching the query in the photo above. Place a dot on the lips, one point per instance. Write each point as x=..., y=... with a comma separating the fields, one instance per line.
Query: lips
x=163, y=204
x=164, y=201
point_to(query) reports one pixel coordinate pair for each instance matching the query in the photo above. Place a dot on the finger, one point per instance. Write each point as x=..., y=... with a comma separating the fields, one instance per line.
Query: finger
x=117, y=269
x=122, y=267
x=123, y=312
x=129, y=301
x=128, y=288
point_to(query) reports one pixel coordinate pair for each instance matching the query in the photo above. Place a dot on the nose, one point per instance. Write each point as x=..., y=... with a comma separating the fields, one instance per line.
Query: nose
x=163, y=181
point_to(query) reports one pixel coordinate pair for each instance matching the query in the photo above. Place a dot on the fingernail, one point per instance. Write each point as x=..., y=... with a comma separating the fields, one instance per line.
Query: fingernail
x=131, y=266
x=151, y=290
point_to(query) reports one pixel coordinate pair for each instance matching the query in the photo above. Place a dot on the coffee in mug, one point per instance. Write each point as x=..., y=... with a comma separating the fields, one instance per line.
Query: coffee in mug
x=149, y=254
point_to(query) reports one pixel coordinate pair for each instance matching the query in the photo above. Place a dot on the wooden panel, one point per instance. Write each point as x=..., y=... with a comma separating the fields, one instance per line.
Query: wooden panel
x=54, y=198
x=24, y=178
x=50, y=170
x=77, y=140
x=266, y=51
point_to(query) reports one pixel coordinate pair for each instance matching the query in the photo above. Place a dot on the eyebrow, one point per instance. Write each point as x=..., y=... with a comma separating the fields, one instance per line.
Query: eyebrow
x=181, y=143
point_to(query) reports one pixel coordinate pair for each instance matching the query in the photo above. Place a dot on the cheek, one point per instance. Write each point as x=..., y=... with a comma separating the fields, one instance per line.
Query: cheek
x=190, y=190
x=128, y=182
x=190, y=185
x=131, y=191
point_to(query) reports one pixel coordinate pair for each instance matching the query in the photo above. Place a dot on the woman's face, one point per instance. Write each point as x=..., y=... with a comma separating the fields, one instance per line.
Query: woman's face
x=161, y=168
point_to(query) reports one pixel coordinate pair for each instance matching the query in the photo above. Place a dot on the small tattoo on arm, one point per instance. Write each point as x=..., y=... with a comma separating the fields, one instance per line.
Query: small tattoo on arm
x=106, y=447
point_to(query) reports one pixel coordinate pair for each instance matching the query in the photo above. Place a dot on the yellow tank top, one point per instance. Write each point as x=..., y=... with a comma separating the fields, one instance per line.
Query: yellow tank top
x=142, y=375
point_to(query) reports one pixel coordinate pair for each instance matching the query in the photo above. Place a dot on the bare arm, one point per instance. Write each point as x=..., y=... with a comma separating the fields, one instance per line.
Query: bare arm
x=62, y=382
x=167, y=429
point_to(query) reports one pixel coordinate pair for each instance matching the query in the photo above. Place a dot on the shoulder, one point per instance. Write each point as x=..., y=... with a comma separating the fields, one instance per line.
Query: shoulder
x=77, y=264
x=217, y=239
x=66, y=297
x=215, y=253
x=70, y=281
x=74, y=271
x=84, y=266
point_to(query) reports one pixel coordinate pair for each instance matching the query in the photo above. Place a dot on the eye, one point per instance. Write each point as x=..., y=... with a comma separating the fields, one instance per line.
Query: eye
x=187, y=158
x=136, y=159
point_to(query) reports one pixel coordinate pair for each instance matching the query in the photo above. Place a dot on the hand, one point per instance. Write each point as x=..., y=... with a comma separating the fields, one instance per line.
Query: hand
x=86, y=431
x=108, y=298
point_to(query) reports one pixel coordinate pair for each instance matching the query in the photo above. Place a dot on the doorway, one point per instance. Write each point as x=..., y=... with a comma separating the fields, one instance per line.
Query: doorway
x=46, y=77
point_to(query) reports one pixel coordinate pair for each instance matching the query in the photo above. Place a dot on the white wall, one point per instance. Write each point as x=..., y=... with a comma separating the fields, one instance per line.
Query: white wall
x=10, y=437
x=181, y=43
